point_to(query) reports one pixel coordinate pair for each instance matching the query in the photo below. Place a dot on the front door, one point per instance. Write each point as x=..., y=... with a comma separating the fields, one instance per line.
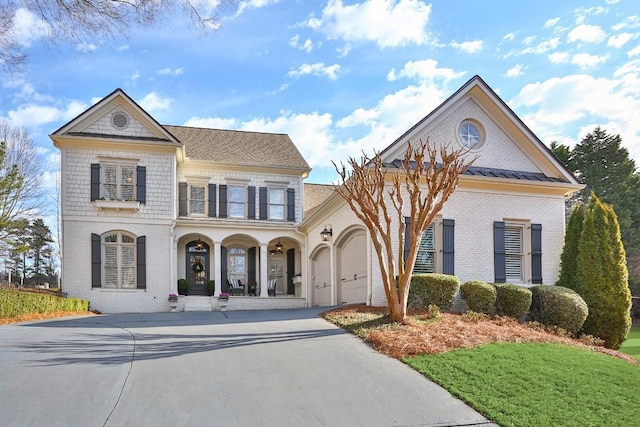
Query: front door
x=197, y=267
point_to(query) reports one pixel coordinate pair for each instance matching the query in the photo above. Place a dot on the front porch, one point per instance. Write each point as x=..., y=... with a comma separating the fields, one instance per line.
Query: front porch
x=235, y=303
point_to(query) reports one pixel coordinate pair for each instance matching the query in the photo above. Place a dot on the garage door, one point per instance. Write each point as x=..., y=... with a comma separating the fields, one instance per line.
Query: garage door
x=353, y=269
x=321, y=279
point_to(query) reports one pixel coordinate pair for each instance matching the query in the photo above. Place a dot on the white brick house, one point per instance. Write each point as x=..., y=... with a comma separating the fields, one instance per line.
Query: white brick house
x=145, y=204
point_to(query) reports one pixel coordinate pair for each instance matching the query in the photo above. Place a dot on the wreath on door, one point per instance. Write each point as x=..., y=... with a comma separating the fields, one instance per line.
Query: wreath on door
x=197, y=267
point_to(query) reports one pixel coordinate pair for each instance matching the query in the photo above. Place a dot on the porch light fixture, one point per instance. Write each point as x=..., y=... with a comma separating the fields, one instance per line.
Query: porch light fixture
x=326, y=233
x=199, y=244
x=278, y=246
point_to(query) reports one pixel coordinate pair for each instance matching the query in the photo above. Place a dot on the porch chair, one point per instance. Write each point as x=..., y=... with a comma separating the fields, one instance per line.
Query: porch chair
x=271, y=287
x=235, y=287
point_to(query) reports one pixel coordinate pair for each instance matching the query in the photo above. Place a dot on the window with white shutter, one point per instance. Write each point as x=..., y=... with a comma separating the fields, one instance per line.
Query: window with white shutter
x=119, y=261
x=426, y=259
x=514, y=253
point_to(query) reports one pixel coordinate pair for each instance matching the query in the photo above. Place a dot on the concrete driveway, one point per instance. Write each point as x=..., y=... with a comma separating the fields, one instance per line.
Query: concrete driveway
x=259, y=368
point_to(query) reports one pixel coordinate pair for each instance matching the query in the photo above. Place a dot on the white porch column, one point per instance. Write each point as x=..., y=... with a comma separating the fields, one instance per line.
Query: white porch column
x=217, y=266
x=173, y=266
x=332, y=272
x=304, y=262
x=264, y=268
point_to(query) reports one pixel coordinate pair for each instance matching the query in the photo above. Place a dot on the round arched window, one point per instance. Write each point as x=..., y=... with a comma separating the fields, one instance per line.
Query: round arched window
x=470, y=134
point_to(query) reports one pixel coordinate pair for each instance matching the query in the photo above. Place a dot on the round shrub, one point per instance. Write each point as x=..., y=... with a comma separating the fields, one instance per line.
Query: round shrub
x=558, y=306
x=480, y=296
x=512, y=300
x=433, y=289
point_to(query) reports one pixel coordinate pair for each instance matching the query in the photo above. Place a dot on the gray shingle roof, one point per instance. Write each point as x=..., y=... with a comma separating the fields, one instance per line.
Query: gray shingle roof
x=239, y=147
x=314, y=195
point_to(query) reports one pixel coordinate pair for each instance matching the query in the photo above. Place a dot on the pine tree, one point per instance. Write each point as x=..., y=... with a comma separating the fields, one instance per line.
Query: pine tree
x=569, y=257
x=601, y=278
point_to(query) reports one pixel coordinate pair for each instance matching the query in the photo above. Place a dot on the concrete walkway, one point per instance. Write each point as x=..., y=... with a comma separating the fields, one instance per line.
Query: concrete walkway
x=259, y=368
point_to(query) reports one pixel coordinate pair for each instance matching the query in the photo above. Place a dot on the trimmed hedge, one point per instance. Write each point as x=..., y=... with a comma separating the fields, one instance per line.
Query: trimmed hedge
x=16, y=303
x=512, y=300
x=558, y=306
x=480, y=296
x=433, y=289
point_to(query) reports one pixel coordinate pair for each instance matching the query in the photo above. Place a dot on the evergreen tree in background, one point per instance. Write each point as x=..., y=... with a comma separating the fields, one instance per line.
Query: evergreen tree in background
x=601, y=163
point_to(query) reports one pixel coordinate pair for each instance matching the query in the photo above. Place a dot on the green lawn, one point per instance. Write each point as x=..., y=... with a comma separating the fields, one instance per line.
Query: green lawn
x=539, y=384
x=632, y=345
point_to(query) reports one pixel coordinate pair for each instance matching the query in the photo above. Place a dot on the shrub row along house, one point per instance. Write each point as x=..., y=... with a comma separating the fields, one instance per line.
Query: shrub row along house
x=146, y=204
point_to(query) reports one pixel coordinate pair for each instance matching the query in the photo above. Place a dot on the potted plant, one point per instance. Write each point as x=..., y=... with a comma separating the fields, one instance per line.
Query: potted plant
x=252, y=288
x=183, y=286
x=211, y=287
x=297, y=279
x=173, y=301
x=223, y=299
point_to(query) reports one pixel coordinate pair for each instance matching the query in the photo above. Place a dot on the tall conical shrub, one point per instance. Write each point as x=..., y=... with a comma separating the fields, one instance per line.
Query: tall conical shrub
x=601, y=278
x=569, y=257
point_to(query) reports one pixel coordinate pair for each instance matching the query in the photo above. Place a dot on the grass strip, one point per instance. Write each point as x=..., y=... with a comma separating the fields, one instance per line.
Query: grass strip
x=535, y=384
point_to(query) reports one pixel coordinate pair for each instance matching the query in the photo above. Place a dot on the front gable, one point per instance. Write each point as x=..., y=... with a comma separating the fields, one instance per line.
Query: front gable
x=115, y=118
x=505, y=143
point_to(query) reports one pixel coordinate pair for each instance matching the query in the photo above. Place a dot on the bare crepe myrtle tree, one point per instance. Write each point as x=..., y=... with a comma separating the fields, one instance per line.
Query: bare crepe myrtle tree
x=425, y=180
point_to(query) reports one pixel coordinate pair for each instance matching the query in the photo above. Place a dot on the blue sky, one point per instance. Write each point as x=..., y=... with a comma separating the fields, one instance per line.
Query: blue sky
x=345, y=76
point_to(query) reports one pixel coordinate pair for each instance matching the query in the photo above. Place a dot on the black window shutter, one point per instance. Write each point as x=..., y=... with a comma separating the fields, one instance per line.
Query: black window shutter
x=183, y=201
x=141, y=262
x=498, y=252
x=405, y=250
x=291, y=204
x=95, y=181
x=448, y=226
x=536, y=254
x=96, y=262
x=141, y=184
x=251, y=196
x=251, y=264
x=224, y=286
x=222, y=192
x=212, y=200
x=263, y=202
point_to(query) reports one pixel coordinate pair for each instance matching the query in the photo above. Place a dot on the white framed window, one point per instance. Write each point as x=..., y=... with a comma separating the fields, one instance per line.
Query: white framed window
x=237, y=263
x=514, y=259
x=119, y=261
x=197, y=200
x=276, y=203
x=426, y=259
x=118, y=182
x=236, y=201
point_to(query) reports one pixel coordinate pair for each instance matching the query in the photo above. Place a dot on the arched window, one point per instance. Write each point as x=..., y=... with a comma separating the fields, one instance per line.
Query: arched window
x=119, y=255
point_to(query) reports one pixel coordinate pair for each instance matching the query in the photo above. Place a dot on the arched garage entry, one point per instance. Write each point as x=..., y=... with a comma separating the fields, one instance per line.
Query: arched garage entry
x=352, y=268
x=321, y=277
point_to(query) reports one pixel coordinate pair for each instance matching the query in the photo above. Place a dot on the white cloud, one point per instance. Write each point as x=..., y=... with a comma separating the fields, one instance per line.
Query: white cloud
x=586, y=60
x=27, y=28
x=554, y=106
x=170, y=72
x=634, y=52
x=425, y=71
x=474, y=46
x=306, y=46
x=551, y=23
x=509, y=36
x=543, y=47
x=559, y=57
x=388, y=23
x=586, y=34
x=135, y=76
x=515, y=71
x=32, y=115
x=123, y=48
x=619, y=40
x=154, y=102
x=629, y=22
x=317, y=69
x=253, y=4
x=86, y=47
